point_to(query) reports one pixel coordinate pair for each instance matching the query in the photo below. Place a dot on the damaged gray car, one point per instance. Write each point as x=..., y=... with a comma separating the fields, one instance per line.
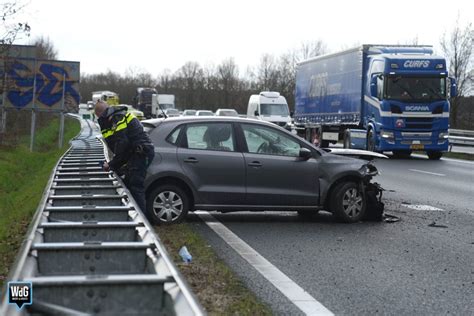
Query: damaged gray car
x=239, y=164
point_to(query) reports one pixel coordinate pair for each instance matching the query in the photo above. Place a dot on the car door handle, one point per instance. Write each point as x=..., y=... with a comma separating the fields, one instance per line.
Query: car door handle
x=191, y=160
x=255, y=164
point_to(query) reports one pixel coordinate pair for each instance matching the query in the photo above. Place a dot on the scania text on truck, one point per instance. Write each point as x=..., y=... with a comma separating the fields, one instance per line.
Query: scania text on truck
x=142, y=100
x=376, y=97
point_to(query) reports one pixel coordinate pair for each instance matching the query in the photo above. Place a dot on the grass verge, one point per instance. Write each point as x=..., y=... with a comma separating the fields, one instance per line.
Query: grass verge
x=454, y=155
x=24, y=175
x=218, y=289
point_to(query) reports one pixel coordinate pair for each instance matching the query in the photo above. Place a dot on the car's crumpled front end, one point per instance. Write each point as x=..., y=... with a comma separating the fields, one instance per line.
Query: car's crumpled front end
x=373, y=193
x=344, y=168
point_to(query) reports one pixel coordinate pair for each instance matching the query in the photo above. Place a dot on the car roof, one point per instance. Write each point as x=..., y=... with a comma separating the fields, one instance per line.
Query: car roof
x=190, y=119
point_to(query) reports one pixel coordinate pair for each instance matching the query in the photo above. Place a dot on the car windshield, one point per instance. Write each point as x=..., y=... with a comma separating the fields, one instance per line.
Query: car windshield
x=228, y=113
x=145, y=96
x=416, y=89
x=172, y=111
x=189, y=112
x=274, y=109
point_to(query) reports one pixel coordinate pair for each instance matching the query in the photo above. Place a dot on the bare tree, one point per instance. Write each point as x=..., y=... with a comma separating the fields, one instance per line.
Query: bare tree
x=10, y=29
x=267, y=73
x=457, y=47
x=310, y=49
x=45, y=48
x=228, y=74
x=189, y=75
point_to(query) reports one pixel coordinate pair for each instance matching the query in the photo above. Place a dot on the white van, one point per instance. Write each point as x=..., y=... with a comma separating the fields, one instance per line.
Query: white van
x=270, y=106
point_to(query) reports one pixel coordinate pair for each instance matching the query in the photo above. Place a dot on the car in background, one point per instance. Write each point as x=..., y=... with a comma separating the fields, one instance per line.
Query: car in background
x=227, y=112
x=237, y=164
x=204, y=113
x=189, y=113
x=130, y=109
x=172, y=112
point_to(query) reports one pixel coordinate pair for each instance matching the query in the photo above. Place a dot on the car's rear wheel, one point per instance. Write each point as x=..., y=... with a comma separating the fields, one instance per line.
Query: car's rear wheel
x=167, y=204
x=348, y=202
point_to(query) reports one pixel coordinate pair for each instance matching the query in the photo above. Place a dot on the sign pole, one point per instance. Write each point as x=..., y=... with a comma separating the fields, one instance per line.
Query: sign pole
x=61, y=116
x=33, y=112
x=3, y=127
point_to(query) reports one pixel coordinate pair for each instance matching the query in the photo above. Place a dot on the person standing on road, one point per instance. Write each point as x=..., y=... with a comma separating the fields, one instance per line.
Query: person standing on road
x=132, y=148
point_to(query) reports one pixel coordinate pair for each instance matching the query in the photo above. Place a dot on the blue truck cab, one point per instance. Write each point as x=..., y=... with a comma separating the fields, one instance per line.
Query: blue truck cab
x=376, y=97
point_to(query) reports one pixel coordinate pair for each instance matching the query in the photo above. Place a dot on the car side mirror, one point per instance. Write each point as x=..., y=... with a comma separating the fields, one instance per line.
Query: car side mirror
x=291, y=113
x=256, y=113
x=373, y=86
x=305, y=153
x=454, y=88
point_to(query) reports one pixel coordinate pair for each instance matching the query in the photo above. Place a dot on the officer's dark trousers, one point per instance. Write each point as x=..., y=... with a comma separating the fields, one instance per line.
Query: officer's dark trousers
x=135, y=177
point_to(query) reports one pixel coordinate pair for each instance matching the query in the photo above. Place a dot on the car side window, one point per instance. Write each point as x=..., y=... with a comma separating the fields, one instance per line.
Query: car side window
x=210, y=136
x=264, y=140
x=173, y=137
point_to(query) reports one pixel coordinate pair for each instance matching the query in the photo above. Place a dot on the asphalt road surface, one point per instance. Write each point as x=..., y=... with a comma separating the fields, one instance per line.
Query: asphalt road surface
x=422, y=264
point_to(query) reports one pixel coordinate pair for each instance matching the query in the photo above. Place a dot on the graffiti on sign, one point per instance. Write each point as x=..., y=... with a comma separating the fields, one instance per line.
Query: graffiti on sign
x=51, y=76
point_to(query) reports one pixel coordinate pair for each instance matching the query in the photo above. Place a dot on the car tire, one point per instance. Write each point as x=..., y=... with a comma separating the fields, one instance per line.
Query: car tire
x=324, y=144
x=435, y=155
x=347, y=140
x=167, y=204
x=370, y=140
x=348, y=202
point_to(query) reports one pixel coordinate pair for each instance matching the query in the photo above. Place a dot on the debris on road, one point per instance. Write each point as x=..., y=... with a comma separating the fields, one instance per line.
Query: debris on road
x=387, y=218
x=433, y=224
x=185, y=255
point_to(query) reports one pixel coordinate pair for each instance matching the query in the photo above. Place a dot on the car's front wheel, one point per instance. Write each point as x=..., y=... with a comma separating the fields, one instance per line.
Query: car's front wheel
x=348, y=202
x=167, y=204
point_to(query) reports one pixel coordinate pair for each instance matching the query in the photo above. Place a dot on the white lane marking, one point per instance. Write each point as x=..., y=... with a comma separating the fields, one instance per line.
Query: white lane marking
x=421, y=207
x=298, y=296
x=427, y=172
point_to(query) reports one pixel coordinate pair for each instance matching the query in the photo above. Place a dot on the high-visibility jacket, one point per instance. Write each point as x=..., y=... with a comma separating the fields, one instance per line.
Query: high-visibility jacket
x=124, y=135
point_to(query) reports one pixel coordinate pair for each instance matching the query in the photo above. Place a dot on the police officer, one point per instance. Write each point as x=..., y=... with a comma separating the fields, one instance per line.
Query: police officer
x=132, y=148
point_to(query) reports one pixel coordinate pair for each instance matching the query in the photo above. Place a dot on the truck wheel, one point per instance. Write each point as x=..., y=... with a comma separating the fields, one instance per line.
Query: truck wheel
x=348, y=202
x=401, y=154
x=167, y=204
x=347, y=139
x=370, y=140
x=435, y=155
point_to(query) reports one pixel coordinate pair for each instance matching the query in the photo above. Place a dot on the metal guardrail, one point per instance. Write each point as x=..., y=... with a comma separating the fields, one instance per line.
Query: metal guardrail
x=90, y=250
x=461, y=137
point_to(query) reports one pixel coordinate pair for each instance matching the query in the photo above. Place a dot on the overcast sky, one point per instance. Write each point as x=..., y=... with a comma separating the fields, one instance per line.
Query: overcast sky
x=157, y=35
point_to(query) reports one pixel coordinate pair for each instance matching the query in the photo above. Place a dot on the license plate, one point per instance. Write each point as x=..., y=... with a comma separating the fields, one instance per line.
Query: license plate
x=417, y=146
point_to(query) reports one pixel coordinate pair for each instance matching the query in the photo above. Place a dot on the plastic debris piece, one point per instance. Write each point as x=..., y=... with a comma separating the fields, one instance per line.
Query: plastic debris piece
x=387, y=218
x=433, y=224
x=185, y=255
